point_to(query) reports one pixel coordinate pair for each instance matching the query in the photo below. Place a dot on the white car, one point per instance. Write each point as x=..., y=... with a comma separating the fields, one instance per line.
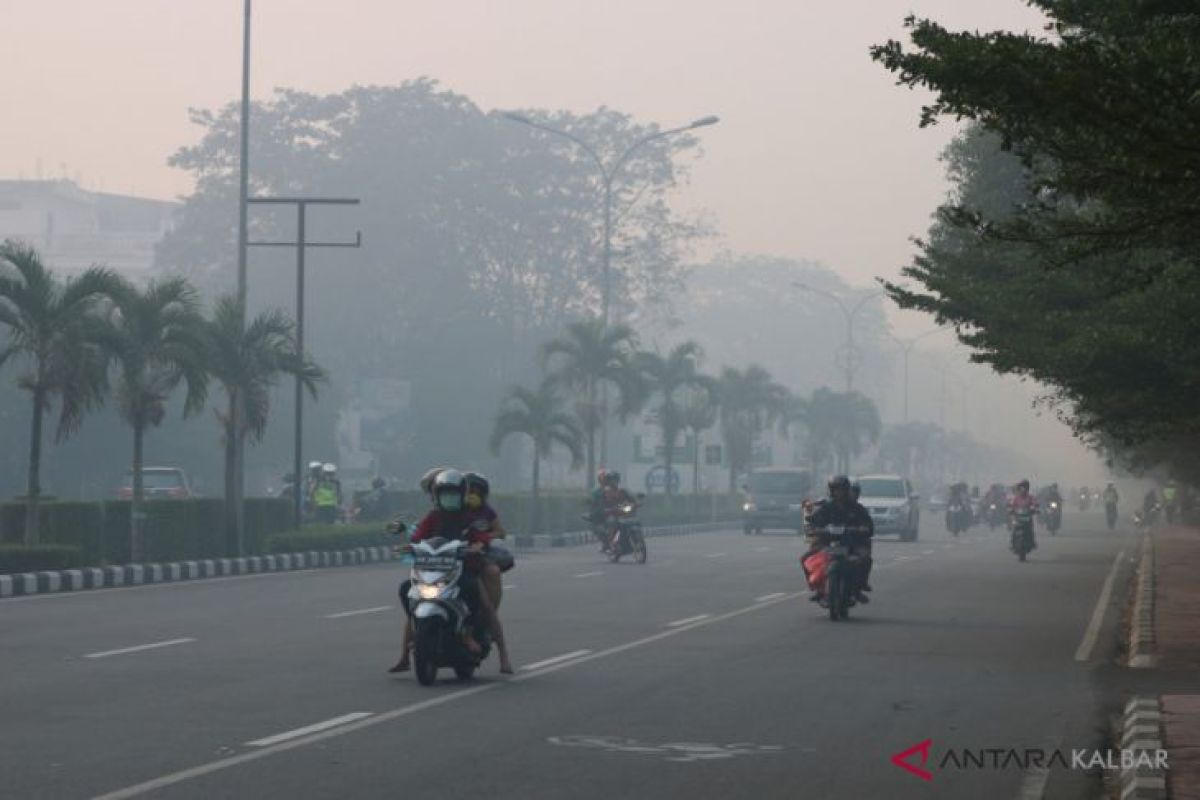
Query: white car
x=892, y=504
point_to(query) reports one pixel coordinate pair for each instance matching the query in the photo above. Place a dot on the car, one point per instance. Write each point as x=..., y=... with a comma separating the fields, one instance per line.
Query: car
x=159, y=483
x=775, y=499
x=892, y=504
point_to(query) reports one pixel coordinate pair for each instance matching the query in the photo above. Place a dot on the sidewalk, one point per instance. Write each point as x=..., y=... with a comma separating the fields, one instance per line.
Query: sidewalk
x=1174, y=619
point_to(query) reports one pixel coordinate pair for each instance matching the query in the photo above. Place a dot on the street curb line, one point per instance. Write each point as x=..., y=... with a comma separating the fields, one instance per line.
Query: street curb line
x=1141, y=732
x=1141, y=629
x=110, y=577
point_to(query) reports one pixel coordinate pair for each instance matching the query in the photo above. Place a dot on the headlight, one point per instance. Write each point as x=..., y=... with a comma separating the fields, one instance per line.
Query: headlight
x=627, y=508
x=430, y=591
x=1054, y=505
x=748, y=507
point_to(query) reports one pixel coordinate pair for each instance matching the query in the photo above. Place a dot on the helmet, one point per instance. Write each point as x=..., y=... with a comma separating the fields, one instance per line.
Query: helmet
x=449, y=488
x=427, y=479
x=1023, y=484
x=478, y=484
x=314, y=466
x=601, y=477
x=839, y=482
x=329, y=469
x=612, y=478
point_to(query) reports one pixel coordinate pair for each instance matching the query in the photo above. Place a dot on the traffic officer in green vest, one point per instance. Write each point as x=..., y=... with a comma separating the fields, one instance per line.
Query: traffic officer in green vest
x=327, y=495
x=1170, y=499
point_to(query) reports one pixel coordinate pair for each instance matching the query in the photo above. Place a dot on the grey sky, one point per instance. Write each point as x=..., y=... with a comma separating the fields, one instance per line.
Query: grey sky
x=817, y=155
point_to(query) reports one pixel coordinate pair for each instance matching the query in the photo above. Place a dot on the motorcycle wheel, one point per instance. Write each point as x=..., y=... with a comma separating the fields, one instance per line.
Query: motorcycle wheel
x=1021, y=556
x=426, y=645
x=614, y=549
x=639, y=549
x=836, y=595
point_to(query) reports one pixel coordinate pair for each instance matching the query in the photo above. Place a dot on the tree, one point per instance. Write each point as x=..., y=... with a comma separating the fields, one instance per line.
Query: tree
x=668, y=379
x=586, y=359
x=1067, y=252
x=697, y=414
x=248, y=362
x=156, y=338
x=54, y=328
x=841, y=425
x=542, y=416
x=751, y=401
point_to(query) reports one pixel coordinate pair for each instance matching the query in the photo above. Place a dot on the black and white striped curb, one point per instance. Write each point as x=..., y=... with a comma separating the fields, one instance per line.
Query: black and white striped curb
x=1141, y=628
x=73, y=580
x=1141, y=734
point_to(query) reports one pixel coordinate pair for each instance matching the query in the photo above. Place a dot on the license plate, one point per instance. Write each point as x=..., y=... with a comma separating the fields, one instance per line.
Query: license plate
x=435, y=563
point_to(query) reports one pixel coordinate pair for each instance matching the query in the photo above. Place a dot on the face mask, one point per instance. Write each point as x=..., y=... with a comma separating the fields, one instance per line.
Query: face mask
x=450, y=501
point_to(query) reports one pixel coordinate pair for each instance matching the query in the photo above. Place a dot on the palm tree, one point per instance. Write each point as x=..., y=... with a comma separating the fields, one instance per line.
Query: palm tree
x=248, y=362
x=156, y=338
x=542, y=416
x=54, y=327
x=842, y=424
x=588, y=357
x=668, y=378
x=697, y=414
x=751, y=401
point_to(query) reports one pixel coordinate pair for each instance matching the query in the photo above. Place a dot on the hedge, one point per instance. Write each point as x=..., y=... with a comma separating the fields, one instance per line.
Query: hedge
x=330, y=537
x=16, y=558
x=74, y=524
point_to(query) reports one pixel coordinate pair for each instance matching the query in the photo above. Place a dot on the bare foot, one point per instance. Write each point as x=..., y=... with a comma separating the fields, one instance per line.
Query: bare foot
x=401, y=666
x=506, y=668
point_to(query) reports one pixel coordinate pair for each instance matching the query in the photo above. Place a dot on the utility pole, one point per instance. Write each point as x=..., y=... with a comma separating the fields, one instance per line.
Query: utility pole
x=852, y=354
x=906, y=346
x=301, y=244
x=234, y=494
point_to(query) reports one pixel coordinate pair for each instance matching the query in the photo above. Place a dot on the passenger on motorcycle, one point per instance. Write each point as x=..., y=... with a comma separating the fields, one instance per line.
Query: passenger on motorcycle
x=843, y=510
x=1022, y=500
x=497, y=559
x=606, y=498
x=450, y=519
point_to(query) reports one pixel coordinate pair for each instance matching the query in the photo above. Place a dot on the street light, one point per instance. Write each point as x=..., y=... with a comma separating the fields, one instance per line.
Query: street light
x=906, y=346
x=609, y=172
x=850, y=314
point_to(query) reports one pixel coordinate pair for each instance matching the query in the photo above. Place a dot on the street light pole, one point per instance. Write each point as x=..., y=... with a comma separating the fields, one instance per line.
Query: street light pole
x=235, y=492
x=301, y=244
x=906, y=346
x=850, y=314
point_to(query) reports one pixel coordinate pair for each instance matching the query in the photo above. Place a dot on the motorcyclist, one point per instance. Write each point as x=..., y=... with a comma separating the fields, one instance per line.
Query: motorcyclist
x=1150, y=507
x=1111, y=498
x=450, y=519
x=959, y=496
x=605, y=500
x=843, y=510
x=327, y=495
x=1169, y=495
x=1022, y=500
x=373, y=504
x=497, y=559
x=855, y=493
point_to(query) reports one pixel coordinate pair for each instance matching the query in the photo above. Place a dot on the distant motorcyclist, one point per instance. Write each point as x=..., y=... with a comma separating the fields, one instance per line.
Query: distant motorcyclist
x=1170, y=497
x=373, y=505
x=1023, y=501
x=605, y=499
x=450, y=519
x=1111, y=498
x=843, y=510
x=1150, y=507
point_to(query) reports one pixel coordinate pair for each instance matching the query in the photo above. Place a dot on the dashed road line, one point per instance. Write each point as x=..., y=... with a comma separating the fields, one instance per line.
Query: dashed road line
x=715, y=555
x=556, y=659
x=588, y=574
x=1092, y=632
x=138, y=648
x=359, y=611
x=767, y=597
x=317, y=727
x=688, y=620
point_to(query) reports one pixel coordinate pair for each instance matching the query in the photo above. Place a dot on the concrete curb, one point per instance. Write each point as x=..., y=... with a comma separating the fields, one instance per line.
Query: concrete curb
x=1141, y=732
x=1141, y=628
x=73, y=580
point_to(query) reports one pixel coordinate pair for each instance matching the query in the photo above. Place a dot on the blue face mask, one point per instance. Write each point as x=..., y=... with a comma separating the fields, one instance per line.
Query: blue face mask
x=450, y=501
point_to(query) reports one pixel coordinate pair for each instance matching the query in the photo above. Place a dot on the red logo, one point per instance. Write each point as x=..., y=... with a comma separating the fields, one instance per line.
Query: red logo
x=903, y=760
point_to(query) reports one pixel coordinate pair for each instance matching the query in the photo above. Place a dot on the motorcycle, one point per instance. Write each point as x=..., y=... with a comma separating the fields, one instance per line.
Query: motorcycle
x=958, y=517
x=1022, y=533
x=1110, y=515
x=1085, y=499
x=439, y=614
x=1052, y=517
x=626, y=537
x=995, y=515
x=830, y=570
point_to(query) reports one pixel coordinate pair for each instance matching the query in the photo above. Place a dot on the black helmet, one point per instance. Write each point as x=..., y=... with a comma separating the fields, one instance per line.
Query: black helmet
x=612, y=478
x=1023, y=483
x=477, y=484
x=449, y=488
x=839, y=482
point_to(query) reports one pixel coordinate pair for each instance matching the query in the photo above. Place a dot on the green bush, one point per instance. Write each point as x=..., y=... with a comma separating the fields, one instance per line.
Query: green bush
x=329, y=537
x=15, y=558
x=264, y=517
x=74, y=524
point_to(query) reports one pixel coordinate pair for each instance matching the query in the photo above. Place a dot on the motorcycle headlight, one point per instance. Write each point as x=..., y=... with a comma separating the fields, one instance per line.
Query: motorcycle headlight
x=430, y=591
x=748, y=507
x=1054, y=505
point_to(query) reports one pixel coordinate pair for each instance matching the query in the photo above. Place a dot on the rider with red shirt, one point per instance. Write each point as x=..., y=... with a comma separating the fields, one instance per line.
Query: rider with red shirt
x=1022, y=500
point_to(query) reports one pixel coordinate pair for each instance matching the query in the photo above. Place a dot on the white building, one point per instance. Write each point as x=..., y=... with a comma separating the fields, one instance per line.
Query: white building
x=74, y=229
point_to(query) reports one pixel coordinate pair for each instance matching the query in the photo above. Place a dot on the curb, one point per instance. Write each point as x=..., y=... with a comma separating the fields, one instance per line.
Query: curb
x=1141, y=629
x=111, y=577
x=1141, y=732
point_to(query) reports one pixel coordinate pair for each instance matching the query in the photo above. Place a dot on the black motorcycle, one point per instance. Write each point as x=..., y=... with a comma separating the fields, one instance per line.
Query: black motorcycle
x=958, y=517
x=995, y=514
x=625, y=534
x=1110, y=515
x=841, y=566
x=1052, y=517
x=1022, y=533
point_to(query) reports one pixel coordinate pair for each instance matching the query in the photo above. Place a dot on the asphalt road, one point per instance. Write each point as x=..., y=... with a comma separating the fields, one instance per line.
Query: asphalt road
x=701, y=674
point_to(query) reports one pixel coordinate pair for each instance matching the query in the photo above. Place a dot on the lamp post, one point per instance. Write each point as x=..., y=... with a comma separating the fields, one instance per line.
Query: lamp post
x=608, y=175
x=301, y=244
x=850, y=313
x=906, y=346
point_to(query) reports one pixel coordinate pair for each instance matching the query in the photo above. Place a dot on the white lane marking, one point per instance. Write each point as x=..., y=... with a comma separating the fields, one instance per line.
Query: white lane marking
x=903, y=558
x=355, y=613
x=1033, y=784
x=1093, y=629
x=138, y=648
x=688, y=620
x=926, y=552
x=715, y=555
x=766, y=597
x=588, y=574
x=307, y=729
x=510, y=586
x=201, y=770
x=947, y=545
x=761, y=549
x=557, y=659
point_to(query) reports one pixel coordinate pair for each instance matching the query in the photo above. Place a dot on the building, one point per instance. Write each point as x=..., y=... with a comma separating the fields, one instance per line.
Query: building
x=74, y=229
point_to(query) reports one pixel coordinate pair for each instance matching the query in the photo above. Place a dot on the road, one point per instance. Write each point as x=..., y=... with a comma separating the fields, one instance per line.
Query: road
x=703, y=673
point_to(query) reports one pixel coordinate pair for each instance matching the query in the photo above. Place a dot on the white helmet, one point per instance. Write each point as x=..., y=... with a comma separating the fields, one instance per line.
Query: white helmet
x=313, y=466
x=329, y=469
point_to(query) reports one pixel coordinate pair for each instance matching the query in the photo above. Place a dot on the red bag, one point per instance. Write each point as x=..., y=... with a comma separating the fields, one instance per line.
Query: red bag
x=816, y=567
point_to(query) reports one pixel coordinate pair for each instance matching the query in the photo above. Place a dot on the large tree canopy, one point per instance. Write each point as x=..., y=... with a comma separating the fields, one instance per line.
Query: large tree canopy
x=1067, y=251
